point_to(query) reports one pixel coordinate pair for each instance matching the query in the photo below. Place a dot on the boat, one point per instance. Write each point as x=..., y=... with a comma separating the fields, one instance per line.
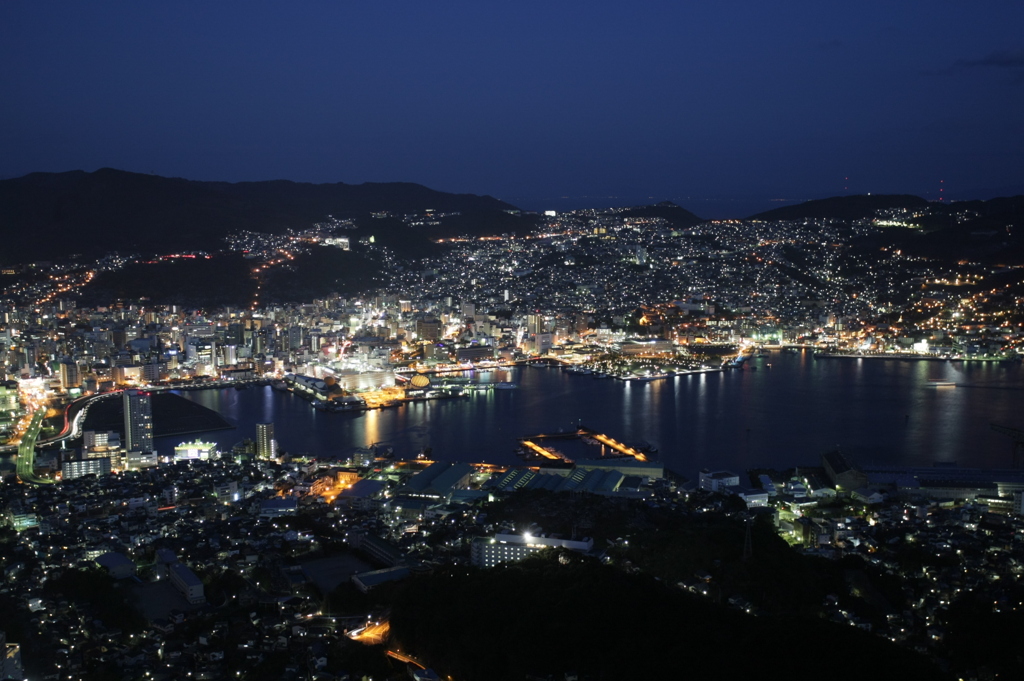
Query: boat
x=505, y=386
x=941, y=384
x=336, y=406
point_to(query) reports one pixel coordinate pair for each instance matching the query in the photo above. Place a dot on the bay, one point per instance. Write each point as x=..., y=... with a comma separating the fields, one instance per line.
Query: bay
x=787, y=412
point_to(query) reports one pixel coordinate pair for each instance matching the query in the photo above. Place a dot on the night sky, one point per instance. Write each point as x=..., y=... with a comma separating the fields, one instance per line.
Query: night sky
x=543, y=104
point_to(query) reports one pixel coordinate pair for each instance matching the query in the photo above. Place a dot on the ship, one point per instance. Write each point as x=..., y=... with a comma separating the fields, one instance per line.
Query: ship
x=505, y=386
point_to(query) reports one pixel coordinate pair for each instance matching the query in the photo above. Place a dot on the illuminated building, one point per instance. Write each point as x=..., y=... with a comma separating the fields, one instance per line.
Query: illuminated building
x=266, y=445
x=10, y=664
x=201, y=351
x=198, y=450
x=136, y=460
x=77, y=468
x=9, y=407
x=506, y=548
x=138, y=421
x=102, y=445
x=428, y=329
x=69, y=375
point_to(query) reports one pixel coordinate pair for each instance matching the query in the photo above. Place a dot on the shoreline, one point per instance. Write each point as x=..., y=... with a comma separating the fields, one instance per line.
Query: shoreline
x=911, y=357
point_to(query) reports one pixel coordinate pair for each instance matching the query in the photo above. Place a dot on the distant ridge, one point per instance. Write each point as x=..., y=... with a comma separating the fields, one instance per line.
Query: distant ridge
x=989, y=231
x=47, y=215
x=842, y=207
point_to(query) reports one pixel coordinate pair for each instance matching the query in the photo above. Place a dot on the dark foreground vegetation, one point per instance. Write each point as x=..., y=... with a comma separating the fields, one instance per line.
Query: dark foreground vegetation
x=559, y=612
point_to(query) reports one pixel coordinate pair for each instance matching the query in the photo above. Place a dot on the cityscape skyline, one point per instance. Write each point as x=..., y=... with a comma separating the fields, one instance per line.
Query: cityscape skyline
x=434, y=340
x=428, y=434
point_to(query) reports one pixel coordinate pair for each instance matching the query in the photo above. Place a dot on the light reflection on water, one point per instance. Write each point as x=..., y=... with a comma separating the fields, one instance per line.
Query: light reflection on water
x=879, y=412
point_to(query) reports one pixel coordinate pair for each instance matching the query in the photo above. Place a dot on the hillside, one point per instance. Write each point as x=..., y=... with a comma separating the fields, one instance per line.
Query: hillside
x=45, y=216
x=543, y=619
x=674, y=214
x=226, y=279
x=990, y=232
x=843, y=207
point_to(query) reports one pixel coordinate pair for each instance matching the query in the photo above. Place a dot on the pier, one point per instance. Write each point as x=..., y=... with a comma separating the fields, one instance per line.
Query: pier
x=580, y=433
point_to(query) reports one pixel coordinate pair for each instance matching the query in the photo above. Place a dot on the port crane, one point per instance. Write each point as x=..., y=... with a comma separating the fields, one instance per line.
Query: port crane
x=1017, y=436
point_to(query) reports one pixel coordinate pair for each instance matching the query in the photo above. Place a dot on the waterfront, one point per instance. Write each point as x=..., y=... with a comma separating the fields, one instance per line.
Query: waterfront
x=879, y=412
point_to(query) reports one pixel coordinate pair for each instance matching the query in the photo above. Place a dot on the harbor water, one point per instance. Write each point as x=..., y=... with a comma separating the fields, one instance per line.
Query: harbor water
x=781, y=410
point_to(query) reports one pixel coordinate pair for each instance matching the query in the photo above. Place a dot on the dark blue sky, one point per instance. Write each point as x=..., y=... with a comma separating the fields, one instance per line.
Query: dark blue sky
x=526, y=101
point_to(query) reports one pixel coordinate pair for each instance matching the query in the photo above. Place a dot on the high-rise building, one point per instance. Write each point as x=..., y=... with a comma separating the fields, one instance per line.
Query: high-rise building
x=100, y=438
x=428, y=329
x=295, y=337
x=9, y=406
x=102, y=445
x=138, y=421
x=69, y=375
x=266, y=445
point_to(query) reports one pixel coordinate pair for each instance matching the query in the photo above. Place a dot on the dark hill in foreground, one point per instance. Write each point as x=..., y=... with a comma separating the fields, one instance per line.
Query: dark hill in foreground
x=44, y=216
x=541, y=619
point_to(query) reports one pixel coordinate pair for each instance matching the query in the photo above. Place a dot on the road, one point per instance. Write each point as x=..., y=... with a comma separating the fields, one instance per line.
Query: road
x=27, y=451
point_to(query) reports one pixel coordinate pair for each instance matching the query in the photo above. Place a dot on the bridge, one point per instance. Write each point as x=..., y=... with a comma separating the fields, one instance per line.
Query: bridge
x=26, y=467
x=74, y=417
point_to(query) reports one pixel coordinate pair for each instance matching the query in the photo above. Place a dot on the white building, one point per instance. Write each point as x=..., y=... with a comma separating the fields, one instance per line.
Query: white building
x=191, y=451
x=187, y=583
x=717, y=481
x=504, y=548
x=78, y=468
x=136, y=460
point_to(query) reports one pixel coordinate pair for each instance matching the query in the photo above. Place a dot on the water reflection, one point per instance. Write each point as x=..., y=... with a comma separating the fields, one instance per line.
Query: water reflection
x=878, y=411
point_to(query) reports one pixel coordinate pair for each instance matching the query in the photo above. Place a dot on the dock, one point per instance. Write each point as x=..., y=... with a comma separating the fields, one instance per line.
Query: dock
x=531, y=446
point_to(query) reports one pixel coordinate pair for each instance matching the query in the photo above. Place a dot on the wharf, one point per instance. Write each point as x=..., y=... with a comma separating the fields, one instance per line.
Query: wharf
x=906, y=356
x=581, y=432
x=405, y=373
x=901, y=356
